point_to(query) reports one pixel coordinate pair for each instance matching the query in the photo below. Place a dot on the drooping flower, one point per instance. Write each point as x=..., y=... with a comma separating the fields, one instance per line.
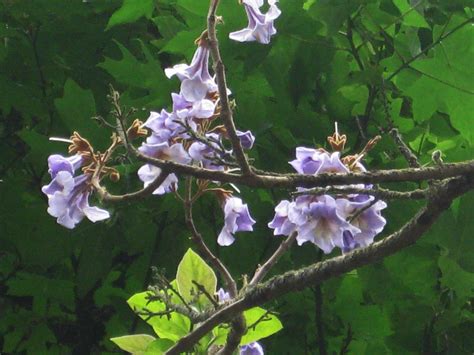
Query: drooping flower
x=307, y=160
x=246, y=138
x=185, y=109
x=196, y=73
x=260, y=26
x=252, y=349
x=148, y=173
x=281, y=224
x=363, y=214
x=68, y=196
x=205, y=153
x=324, y=226
x=236, y=219
x=164, y=126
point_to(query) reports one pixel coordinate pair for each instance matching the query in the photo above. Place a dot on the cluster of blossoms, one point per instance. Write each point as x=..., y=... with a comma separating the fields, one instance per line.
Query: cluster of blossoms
x=346, y=221
x=68, y=194
x=188, y=135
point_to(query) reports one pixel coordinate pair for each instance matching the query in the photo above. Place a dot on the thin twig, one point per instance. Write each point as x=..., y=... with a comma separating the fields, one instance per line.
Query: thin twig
x=107, y=197
x=203, y=290
x=205, y=252
x=263, y=270
x=226, y=111
x=410, y=157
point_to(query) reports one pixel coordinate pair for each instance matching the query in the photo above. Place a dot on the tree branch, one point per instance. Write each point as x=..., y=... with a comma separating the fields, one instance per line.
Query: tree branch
x=198, y=240
x=263, y=270
x=376, y=192
x=226, y=111
x=107, y=197
x=292, y=181
x=441, y=200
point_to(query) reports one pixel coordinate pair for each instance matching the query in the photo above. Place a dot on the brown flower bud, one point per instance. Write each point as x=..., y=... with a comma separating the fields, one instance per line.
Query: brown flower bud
x=136, y=130
x=79, y=145
x=114, y=176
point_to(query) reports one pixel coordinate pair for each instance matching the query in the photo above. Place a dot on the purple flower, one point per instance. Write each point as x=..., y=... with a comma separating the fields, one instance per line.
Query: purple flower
x=185, y=109
x=251, y=349
x=195, y=74
x=313, y=161
x=369, y=222
x=57, y=163
x=324, y=226
x=260, y=26
x=163, y=126
x=222, y=295
x=236, y=219
x=331, y=163
x=246, y=138
x=164, y=151
x=204, y=153
x=148, y=173
x=308, y=160
x=281, y=223
x=68, y=196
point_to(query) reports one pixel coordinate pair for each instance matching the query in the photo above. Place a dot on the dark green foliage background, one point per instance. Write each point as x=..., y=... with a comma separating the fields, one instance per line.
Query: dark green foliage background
x=64, y=291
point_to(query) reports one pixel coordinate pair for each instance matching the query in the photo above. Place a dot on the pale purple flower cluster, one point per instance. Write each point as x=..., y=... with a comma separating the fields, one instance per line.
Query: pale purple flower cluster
x=347, y=222
x=68, y=195
x=260, y=26
x=194, y=104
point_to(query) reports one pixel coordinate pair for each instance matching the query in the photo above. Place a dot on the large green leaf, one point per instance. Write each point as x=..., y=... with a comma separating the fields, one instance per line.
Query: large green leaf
x=172, y=326
x=261, y=324
x=130, y=11
x=135, y=344
x=193, y=273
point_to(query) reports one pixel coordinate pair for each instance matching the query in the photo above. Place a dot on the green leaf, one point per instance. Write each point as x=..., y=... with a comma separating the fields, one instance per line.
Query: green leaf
x=193, y=269
x=454, y=277
x=130, y=11
x=135, y=344
x=410, y=15
x=158, y=346
x=261, y=325
x=171, y=327
x=76, y=109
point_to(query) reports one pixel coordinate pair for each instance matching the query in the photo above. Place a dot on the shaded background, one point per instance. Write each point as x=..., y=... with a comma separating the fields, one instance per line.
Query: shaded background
x=64, y=291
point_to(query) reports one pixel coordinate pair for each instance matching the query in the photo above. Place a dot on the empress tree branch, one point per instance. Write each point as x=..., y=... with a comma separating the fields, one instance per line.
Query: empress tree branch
x=378, y=192
x=410, y=157
x=263, y=270
x=439, y=201
x=201, y=245
x=219, y=69
x=291, y=181
x=107, y=197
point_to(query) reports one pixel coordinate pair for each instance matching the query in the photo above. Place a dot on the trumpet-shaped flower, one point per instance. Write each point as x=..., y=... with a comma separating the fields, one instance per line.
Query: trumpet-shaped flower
x=260, y=26
x=366, y=216
x=68, y=196
x=197, y=72
x=236, y=219
x=251, y=349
